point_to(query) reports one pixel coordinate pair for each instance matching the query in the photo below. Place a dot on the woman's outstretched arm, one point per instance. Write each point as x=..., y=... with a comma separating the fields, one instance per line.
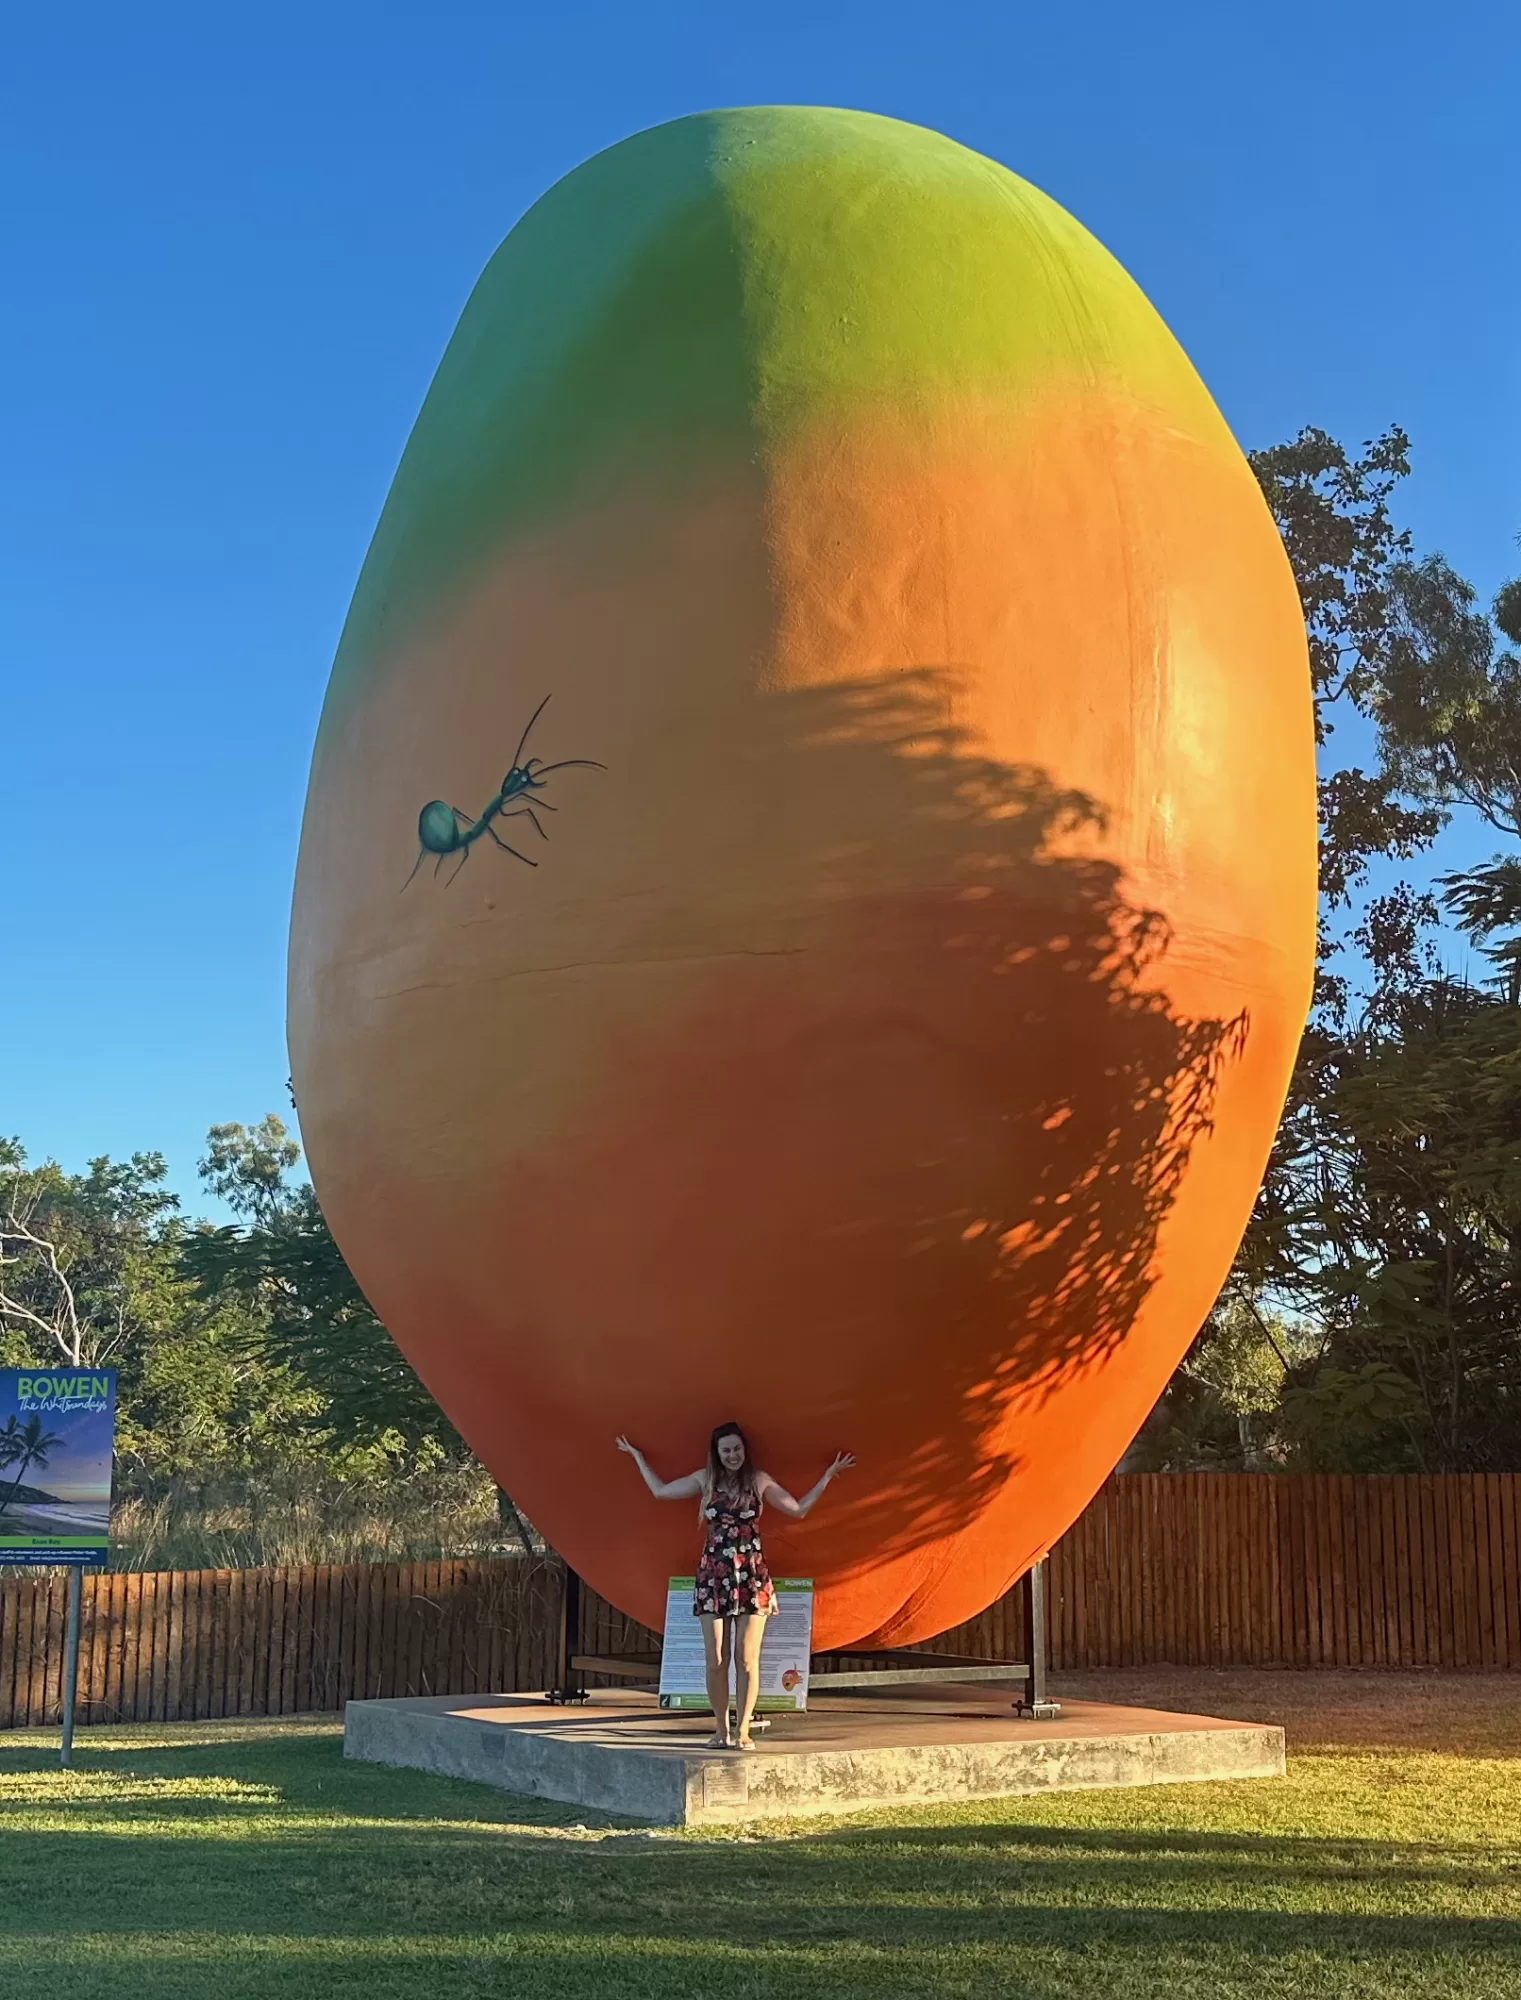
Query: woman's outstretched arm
x=663, y=1489
x=779, y=1498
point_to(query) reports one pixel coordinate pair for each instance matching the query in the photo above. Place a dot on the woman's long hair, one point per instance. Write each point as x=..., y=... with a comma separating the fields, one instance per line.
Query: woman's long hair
x=718, y=1474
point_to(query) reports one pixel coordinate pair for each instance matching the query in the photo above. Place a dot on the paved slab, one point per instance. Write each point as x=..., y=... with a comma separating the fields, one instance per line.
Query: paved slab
x=621, y=1753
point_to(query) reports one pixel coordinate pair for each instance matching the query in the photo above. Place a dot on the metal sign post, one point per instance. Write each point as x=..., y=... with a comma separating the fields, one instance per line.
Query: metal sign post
x=71, y=1664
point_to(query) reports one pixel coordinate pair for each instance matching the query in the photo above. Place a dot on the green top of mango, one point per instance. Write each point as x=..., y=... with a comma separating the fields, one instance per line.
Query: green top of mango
x=709, y=289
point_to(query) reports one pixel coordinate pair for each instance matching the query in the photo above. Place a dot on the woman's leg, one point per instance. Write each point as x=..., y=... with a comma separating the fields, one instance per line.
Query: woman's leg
x=747, y=1674
x=717, y=1645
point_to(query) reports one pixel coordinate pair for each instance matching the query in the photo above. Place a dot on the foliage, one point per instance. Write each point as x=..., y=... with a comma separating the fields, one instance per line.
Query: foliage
x=1448, y=700
x=261, y=1408
x=374, y=1505
x=263, y=1412
x=22, y=1446
x=80, y=1268
x=1388, y=1229
x=99, y=1277
x=284, y=1267
x=1347, y=556
x=283, y=1264
x=1219, y=1410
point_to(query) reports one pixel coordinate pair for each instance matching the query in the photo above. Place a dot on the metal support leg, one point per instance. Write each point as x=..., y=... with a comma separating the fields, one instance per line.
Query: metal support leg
x=570, y=1684
x=1035, y=1703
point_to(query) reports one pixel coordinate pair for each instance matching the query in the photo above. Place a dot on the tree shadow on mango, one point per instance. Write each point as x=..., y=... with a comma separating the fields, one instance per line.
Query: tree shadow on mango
x=893, y=1175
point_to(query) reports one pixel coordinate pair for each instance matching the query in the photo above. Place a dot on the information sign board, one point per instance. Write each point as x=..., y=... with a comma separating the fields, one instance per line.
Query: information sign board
x=785, y=1648
x=57, y=1428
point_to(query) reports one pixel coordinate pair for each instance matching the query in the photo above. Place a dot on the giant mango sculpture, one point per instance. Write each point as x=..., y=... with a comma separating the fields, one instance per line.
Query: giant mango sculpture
x=806, y=900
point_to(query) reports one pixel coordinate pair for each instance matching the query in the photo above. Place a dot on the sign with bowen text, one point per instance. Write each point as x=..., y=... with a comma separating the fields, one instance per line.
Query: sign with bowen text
x=57, y=1429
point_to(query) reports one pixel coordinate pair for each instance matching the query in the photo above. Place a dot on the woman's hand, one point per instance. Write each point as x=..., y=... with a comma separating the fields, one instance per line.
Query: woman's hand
x=663, y=1489
x=843, y=1461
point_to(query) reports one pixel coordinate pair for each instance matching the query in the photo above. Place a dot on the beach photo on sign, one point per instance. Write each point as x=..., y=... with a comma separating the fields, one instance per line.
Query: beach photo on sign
x=55, y=1454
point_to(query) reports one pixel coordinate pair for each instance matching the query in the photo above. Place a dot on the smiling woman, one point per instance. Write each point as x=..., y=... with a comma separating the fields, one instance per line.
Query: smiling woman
x=732, y=1591
x=889, y=1040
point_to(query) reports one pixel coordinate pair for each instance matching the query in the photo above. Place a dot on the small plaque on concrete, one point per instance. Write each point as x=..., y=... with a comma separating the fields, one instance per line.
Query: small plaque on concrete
x=725, y=1784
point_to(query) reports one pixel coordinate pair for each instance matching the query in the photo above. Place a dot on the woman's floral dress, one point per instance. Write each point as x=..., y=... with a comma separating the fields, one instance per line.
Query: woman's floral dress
x=732, y=1578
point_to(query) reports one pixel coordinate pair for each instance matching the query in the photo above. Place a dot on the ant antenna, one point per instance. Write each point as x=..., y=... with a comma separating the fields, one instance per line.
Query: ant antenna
x=523, y=740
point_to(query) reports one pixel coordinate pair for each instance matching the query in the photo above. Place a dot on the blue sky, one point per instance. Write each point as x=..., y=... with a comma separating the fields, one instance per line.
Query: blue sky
x=237, y=242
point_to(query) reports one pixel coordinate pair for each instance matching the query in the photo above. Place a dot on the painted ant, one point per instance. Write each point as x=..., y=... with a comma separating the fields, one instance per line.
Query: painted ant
x=443, y=829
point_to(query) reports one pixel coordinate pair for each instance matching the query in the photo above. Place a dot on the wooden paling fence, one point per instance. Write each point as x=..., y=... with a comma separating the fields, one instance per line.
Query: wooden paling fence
x=1269, y=1570
x=1185, y=1569
x=184, y=1645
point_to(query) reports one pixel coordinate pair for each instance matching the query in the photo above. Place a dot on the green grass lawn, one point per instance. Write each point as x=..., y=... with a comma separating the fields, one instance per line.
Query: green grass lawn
x=227, y=1861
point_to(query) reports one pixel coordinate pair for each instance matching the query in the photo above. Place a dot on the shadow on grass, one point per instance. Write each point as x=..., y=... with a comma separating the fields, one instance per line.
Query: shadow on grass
x=284, y=1847
x=1353, y=1713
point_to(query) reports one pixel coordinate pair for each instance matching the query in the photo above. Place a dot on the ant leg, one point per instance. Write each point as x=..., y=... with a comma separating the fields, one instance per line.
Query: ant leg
x=510, y=850
x=464, y=856
x=529, y=813
x=415, y=866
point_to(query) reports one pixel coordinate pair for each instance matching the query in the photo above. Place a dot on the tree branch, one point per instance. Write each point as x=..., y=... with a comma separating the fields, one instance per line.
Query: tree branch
x=64, y=1329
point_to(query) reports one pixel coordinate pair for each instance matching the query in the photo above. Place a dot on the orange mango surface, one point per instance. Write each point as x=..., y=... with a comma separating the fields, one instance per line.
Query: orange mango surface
x=885, y=1046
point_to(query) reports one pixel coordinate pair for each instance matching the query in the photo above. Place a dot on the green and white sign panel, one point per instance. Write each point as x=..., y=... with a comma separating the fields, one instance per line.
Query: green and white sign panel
x=57, y=1431
x=785, y=1648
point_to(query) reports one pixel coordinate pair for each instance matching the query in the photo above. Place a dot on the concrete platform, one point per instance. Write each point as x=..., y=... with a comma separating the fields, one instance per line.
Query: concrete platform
x=623, y=1754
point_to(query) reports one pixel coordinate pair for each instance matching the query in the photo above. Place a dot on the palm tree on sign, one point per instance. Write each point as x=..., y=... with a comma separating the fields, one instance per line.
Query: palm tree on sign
x=23, y=1446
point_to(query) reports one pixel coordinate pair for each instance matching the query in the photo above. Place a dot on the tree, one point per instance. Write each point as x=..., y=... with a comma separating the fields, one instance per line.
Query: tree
x=312, y=1317
x=1384, y=1237
x=246, y=1166
x=253, y=1381
x=1348, y=557
x=1448, y=699
x=76, y=1253
x=23, y=1446
x=282, y=1263
x=93, y=1274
